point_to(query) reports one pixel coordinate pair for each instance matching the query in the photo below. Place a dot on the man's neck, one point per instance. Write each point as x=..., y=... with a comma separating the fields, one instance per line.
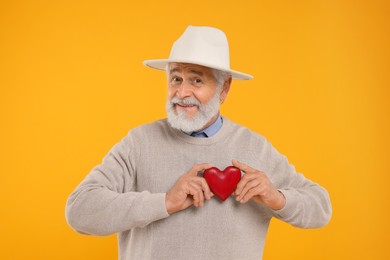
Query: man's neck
x=209, y=131
x=212, y=121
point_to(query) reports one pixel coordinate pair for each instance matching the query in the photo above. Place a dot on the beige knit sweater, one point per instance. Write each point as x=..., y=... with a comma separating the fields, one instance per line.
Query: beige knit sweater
x=126, y=195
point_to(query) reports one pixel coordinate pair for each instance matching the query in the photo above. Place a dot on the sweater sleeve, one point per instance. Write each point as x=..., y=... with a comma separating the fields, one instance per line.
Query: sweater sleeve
x=307, y=203
x=102, y=204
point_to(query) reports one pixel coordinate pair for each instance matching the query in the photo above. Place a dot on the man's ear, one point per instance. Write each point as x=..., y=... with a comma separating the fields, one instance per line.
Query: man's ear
x=225, y=89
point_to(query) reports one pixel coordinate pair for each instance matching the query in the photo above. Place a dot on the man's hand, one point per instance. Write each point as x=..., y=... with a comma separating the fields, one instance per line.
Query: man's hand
x=189, y=190
x=257, y=186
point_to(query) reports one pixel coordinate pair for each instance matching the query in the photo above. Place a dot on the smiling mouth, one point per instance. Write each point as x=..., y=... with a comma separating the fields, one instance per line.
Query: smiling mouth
x=185, y=105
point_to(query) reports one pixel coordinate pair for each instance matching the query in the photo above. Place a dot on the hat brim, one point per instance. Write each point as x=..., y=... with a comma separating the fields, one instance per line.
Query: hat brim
x=161, y=64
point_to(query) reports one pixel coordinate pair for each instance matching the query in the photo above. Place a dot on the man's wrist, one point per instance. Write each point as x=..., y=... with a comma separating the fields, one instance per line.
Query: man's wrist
x=281, y=201
x=169, y=205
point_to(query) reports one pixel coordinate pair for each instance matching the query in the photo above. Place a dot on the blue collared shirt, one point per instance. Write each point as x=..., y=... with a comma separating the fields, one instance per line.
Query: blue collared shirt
x=209, y=131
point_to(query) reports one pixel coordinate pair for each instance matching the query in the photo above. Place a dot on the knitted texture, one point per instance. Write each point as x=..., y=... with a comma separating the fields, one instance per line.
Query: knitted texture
x=125, y=194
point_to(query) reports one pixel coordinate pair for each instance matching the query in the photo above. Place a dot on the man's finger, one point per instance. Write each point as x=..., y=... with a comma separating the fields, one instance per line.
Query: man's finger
x=249, y=186
x=243, y=182
x=250, y=194
x=205, y=188
x=197, y=193
x=199, y=168
x=243, y=167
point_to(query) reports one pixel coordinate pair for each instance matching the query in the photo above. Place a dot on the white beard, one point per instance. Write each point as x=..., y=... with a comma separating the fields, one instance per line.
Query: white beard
x=191, y=124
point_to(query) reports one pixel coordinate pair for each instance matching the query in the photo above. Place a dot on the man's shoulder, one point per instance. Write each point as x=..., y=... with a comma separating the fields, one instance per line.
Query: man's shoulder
x=249, y=140
x=244, y=132
x=158, y=124
x=153, y=128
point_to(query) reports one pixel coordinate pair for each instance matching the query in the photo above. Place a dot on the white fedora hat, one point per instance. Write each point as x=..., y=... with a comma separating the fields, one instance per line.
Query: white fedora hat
x=201, y=45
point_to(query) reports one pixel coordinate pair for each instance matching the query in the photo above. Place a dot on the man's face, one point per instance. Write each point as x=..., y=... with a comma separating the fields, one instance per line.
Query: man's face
x=193, y=97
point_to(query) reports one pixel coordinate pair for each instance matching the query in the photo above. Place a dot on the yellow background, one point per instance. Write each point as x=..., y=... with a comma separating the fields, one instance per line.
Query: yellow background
x=72, y=85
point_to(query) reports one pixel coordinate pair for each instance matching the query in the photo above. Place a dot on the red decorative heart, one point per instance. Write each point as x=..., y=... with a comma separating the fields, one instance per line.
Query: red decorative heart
x=222, y=183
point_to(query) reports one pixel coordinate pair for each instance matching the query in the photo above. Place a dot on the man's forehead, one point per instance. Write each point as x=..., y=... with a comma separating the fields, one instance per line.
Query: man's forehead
x=188, y=67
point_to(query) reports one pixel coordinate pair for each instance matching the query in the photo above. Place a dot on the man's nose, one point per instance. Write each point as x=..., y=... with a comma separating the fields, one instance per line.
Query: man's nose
x=184, y=90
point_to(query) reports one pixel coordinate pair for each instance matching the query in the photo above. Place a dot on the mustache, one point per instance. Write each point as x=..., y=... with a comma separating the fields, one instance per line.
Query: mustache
x=186, y=101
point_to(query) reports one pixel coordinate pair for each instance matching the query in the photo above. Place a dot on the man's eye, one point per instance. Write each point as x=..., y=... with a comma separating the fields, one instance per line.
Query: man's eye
x=175, y=79
x=197, y=81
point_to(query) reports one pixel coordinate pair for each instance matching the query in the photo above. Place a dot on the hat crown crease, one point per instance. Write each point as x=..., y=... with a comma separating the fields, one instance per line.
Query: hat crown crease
x=203, y=45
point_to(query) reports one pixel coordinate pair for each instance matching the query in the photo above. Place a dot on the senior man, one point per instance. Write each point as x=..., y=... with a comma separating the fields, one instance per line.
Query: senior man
x=148, y=188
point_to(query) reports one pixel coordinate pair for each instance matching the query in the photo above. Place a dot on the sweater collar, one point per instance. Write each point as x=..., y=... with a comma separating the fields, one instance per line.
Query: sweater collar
x=222, y=134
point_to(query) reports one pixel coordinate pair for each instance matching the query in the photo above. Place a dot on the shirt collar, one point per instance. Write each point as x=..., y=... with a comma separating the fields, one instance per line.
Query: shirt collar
x=211, y=130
